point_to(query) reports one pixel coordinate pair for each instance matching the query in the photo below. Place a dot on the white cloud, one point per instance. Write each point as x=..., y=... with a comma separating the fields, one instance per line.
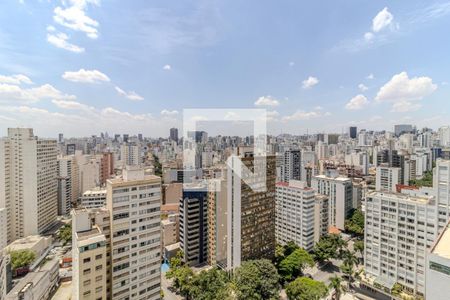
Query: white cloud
x=291, y=64
x=382, y=20
x=301, y=115
x=356, y=103
x=10, y=92
x=402, y=88
x=362, y=87
x=71, y=105
x=370, y=76
x=310, y=82
x=129, y=95
x=368, y=36
x=15, y=79
x=75, y=18
x=405, y=106
x=267, y=101
x=169, y=113
x=272, y=115
x=167, y=67
x=86, y=76
x=318, y=107
x=60, y=40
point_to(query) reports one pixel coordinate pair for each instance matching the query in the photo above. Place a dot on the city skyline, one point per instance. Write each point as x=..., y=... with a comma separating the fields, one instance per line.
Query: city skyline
x=86, y=66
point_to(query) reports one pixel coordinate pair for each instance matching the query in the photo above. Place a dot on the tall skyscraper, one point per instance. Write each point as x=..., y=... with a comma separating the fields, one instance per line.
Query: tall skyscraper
x=28, y=184
x=174, y=134
x=251, y=214
x=291, y=165
x=194, y=223
x=68, y=188
x=353, y=132
x=134, y=202
x=403, y=128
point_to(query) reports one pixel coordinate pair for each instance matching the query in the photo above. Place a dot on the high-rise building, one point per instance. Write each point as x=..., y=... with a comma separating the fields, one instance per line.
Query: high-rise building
x=251, y=237
x=134, y=202
x=401, y=228
x=340, y=197
x=217, y=223
x=28, y=183
x=296, y=214
x=291, y=165
x=3, y=228
x=5, y=269
x=353, y=132
x=106, y=167
x=387, y=178
x=403, y=128
x=444, y=136
x=68, y=188
x=194, y=224
x=174, y=134
x=130, y=154
x=60, y=138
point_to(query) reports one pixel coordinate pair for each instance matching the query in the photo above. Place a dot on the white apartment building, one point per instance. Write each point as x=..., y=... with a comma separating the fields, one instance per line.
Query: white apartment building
x=401, y=227
x=28, y=182
x=438, y=267
x=296, y=214
x=387, y=178
x=68, y=189
x=444, y=136
x=5, y=261
x=93, y=198
x=89, y=167
x=130, y=154
x=340, y=197
x=134, y=202
x=3, y=228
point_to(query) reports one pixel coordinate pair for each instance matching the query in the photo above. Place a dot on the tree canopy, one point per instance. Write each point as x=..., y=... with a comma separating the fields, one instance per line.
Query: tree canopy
x=328, y=247
x=293, y=265
x=355, y=224
x=304, y=288
x=22, y=258
x=256, y=280
x=65, y=234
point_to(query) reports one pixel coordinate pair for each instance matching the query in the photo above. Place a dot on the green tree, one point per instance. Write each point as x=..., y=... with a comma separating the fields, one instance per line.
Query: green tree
x=396, y=289
x=289, y=248
x=256, y=280
x=337, y=287
x=293, y=265
x=279, y=254
x=65, y=234
x=328, y=247
x=355, y=224
x=210, y=285
x=304, y=288
x=347, y=269
x=358, y=246
x=22, y=258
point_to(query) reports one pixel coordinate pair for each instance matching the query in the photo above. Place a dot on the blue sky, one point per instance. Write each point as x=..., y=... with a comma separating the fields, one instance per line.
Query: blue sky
x=85, y=66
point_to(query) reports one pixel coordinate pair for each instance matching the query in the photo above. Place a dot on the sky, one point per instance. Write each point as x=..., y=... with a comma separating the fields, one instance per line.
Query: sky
x=82, y=67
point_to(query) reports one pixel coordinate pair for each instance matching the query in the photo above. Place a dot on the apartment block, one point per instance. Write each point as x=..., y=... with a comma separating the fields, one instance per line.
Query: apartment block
x=93, y=198
x=217, y=223
x=28, y=182
x=193, y=224
x=387, y=178
x=68, y=188
x=296, y=212
x=89, y=278
x=134, y=202
x=340, y=197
